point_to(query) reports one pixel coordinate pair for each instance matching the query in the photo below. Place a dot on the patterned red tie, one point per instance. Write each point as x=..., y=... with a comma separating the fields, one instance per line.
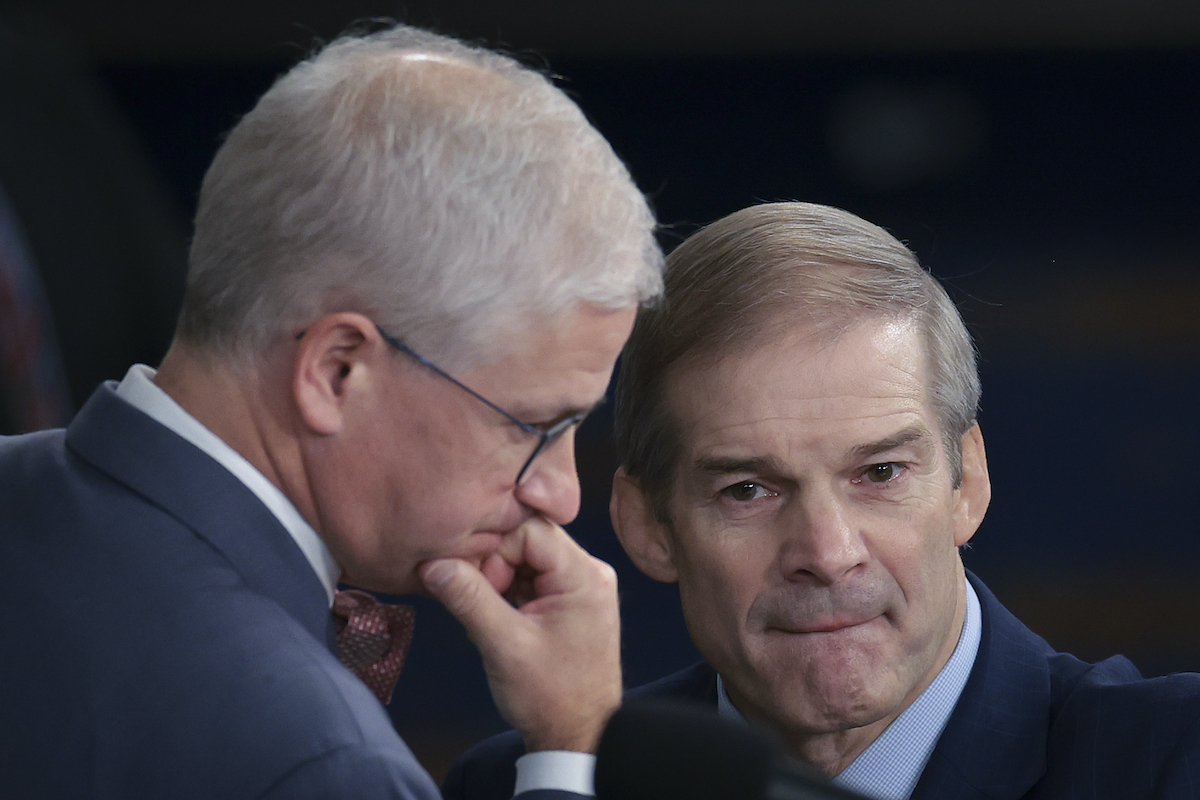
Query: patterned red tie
x=373, y=639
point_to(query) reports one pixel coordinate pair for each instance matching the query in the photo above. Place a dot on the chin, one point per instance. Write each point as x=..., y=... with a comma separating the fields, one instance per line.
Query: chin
x=872, y=698
x=373, y=581
x=833, y=713
x=836, y=697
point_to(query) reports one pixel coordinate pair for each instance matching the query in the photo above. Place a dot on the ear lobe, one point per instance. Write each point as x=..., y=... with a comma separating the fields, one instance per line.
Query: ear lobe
x=975, y=491
x=329, y=358
x=645, y=540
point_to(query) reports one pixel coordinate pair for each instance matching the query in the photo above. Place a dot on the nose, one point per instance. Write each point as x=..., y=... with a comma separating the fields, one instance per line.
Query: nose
x=824, y=543
x=551, y=484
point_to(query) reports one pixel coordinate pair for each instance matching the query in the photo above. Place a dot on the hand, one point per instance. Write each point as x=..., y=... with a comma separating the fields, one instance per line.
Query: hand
x=543, y=612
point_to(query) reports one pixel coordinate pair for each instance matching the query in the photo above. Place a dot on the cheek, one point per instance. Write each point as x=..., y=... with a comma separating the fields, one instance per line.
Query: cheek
x=717, y=586
x=931, y=585
x=917, y=548
x=940, y=553
x=445, y=471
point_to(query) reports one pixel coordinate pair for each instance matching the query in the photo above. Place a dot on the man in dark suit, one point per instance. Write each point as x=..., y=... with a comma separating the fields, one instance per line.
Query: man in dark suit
x=413, y=267
x=797, y=426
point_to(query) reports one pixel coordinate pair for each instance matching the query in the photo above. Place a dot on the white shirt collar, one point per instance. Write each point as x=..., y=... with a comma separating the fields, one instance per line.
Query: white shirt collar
x=892, y=764
x=139, y=390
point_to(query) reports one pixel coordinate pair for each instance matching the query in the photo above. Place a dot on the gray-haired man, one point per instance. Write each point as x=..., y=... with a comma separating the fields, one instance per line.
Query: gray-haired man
x=413, y=268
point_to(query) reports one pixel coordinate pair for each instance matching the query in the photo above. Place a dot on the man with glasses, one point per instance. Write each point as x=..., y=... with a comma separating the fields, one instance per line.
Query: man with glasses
x=414, y=265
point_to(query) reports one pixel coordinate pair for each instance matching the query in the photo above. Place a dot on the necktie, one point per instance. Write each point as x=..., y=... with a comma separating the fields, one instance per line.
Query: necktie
x=373, y=639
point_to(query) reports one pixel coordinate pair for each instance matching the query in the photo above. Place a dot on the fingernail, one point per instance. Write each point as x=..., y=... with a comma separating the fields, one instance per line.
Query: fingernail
x=437, y=574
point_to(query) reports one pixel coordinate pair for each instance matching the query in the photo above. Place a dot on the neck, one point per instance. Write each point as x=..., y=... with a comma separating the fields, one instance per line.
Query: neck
x=241, y=404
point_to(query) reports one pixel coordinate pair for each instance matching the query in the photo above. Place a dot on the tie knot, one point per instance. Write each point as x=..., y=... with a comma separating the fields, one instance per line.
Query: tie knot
x=373, y=639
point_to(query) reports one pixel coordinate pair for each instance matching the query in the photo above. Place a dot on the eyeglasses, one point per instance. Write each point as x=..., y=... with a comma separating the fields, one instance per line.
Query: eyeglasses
x=546, y=436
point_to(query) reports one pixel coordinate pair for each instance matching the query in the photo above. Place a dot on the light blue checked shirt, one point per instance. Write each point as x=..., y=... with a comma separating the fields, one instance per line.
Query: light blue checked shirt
x=891, y=766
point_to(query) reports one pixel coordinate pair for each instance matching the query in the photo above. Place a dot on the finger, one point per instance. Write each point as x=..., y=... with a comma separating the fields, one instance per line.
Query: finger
x=546, y=552
x=467, y=594
x=499, y=573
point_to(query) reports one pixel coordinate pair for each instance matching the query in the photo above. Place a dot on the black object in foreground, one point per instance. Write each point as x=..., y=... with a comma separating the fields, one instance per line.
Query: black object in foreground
x=656, y=750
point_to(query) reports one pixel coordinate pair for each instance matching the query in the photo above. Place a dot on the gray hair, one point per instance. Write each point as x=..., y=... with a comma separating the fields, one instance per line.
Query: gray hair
x=770, y=268
x=446, y=191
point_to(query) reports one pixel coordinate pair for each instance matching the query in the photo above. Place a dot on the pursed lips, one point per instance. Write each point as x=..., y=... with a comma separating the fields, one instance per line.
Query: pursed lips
x=803, y=611
x=822, y=625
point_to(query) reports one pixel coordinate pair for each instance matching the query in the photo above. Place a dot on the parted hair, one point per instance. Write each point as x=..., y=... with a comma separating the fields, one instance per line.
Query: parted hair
x=764, y=270
x=447, y=191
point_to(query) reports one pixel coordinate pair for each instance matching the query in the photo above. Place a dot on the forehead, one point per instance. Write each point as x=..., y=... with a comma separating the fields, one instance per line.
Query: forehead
x=867, y=384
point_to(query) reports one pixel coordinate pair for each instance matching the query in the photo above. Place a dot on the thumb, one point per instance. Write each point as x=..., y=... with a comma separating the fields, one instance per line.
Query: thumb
x=465, y=593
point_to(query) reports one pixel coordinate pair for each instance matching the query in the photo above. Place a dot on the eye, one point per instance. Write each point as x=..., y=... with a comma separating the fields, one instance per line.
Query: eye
x=558, y=427
x=745, y=492
x=883, y=473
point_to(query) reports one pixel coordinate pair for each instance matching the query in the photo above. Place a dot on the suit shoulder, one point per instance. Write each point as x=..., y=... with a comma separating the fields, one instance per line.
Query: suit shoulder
x=355, y=772
x=697, y=683
x=488, y=770
x=1127, y=736
x=1113, y=693
x=25, y=457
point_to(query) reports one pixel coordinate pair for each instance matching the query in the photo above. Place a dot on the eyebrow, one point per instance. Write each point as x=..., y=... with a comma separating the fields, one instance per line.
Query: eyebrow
x=915, y=434
x=727, y=465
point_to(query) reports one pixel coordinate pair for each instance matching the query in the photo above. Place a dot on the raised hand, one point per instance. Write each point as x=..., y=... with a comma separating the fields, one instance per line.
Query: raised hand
x=543, y=612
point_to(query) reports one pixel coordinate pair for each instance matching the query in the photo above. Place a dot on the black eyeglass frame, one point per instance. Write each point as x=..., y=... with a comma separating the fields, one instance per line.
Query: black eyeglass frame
x=546, y=437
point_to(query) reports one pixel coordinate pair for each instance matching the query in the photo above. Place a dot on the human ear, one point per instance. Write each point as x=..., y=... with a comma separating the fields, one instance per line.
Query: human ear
x=645, y=539
x=331, y=359
x=975, y=492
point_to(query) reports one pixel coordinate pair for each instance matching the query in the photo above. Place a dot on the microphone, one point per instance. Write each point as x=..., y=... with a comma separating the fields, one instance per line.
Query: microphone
x=663, y=750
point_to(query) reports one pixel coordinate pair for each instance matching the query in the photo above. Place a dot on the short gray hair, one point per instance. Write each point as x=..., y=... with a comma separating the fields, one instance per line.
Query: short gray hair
x=769, y=268
x=445, y=190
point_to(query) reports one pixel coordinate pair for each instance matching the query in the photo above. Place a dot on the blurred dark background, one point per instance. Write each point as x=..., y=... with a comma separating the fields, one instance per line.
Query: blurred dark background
x=1042, y=158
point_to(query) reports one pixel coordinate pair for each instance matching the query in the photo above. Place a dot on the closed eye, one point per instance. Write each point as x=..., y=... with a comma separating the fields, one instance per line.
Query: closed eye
x=570, y=422
x=555, y=428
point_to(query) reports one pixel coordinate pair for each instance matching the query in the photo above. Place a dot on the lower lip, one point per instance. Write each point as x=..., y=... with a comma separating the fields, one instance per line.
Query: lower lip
x=829, y=629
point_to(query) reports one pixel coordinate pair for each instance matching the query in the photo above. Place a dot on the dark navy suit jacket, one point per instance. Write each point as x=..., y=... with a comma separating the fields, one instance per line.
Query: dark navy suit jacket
x=1031, y=723
x=163, y=635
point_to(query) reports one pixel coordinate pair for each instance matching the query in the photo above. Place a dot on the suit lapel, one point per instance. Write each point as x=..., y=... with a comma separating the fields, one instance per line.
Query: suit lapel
x=189, y=485
x=697, y=684
x=994, y=745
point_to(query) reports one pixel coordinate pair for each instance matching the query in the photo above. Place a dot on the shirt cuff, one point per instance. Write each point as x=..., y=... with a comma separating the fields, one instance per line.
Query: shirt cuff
x=564, y=770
